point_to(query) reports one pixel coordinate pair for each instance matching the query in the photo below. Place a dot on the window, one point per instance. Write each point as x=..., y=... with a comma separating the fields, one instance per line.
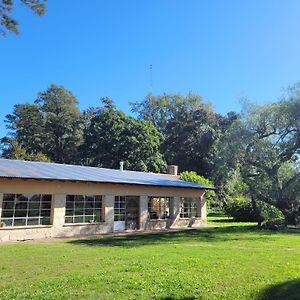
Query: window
x=26, y=210
x=159, y=207
x=120, y=205
x=83, y=209
x=188, y=207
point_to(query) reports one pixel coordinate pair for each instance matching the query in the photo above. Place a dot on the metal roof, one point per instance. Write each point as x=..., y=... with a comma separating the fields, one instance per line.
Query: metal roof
x=51, y=171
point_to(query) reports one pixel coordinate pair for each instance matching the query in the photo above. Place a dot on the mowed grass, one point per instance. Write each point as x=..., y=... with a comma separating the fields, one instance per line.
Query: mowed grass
x=232, y=261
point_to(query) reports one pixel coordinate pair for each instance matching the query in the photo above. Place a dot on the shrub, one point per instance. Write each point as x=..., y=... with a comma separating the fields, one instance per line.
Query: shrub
x=242, y=209
x=269, y=216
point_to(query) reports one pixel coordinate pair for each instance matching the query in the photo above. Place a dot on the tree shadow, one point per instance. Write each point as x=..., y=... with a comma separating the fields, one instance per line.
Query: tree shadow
x=219, y=234
x=289, y=290
x=221, y=220
x=183, y=298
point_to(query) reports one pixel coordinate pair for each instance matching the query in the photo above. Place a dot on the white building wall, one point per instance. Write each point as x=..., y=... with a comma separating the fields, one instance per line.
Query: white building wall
x=59, y=190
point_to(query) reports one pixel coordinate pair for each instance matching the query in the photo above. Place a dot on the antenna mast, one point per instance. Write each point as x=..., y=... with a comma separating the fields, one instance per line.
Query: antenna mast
x=151, y=79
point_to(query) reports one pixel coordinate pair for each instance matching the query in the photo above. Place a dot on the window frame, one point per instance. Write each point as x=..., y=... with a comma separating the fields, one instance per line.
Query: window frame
x=120, y=209
x=188, y=207
x=26, y=210
x=161, y=207
x=76, y=209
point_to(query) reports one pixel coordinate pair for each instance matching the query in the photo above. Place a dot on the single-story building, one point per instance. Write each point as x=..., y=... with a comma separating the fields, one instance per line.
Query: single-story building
x=42, y=200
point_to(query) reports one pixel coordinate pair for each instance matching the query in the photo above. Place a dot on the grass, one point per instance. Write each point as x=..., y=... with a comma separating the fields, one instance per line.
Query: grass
x=232, y=261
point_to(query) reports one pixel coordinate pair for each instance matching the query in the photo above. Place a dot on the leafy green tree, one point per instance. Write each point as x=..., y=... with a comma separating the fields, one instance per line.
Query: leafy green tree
x=63, y=124
x=10, y=24
x=110, y=137
x=26, y=125
x=190, y=128
x=53, y=125
x=16, y=151
x=265, y=145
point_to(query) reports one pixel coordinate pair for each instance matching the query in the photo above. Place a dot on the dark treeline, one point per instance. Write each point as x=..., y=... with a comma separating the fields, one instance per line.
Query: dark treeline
x=251, y=156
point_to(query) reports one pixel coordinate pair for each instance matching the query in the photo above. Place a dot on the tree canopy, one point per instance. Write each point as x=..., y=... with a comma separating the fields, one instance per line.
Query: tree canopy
x=252, y=157
x=111, y=137
x=8, y=23
x=190, y=128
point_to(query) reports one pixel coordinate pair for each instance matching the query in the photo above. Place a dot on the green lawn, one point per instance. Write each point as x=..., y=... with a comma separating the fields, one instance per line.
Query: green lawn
x=233, y=261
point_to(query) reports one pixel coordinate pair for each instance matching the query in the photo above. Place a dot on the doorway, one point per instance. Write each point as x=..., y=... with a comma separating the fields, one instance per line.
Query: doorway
x=126, y=213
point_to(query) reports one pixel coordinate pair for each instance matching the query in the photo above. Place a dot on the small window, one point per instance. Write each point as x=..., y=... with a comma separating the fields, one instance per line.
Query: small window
x=83, y=209
x=188, y=207
x=159, y=207
x=26, y=210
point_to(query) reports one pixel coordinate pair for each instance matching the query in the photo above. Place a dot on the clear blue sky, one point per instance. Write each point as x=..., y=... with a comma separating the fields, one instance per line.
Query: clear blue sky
x=223, y=50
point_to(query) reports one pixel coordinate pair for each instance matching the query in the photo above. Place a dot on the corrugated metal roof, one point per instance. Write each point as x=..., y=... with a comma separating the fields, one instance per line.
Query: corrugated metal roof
x=50, y=171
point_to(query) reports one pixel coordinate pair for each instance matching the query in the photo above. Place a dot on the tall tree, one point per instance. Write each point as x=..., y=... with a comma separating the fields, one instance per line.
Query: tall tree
x=110, y=137
x=10, y=24
x=190, y=128
x=63, y=123
x=265, y=145
x=26, y=127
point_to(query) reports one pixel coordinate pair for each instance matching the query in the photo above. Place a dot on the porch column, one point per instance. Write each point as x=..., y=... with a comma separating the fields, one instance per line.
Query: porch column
x=201, y=208
x=109, y=211
x=143, y=212
x=58, y=210
x=176, y=207
x=1, y=200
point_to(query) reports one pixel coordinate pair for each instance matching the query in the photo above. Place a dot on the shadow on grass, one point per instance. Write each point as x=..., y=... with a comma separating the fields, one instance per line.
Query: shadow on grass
x=184, y=298
x=289, y=290
x=219, y=234
x=221, y=220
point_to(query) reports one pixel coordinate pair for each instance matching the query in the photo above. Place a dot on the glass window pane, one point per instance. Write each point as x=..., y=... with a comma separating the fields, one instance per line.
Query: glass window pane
x=7, y=222
x=89, y=204
x=9, y=213
x=69, y=220
x=21, y=213
x=70, y=198
x=79, y=204
x=69, y=212
x=45, y=213
x=79, y=198
x=21, y=205
x=79, y=211
x=90, y=198
x=9, y=197
x=78, y=219
x=45, y=221
x=70, y=204
x=88, y=219
x=46, y=205
x=34, y=205
x=33, y=213
x=8, y=205
x=23, y=198
x=98, y=216
x=88, y=211
x=20, y=222
x=34, y=198
x=46, y=198
x=33, y=221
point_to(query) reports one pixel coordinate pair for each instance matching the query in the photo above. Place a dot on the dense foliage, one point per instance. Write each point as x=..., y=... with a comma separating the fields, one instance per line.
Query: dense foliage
x=110, y=137
x=252, y=157
x=210, y=195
